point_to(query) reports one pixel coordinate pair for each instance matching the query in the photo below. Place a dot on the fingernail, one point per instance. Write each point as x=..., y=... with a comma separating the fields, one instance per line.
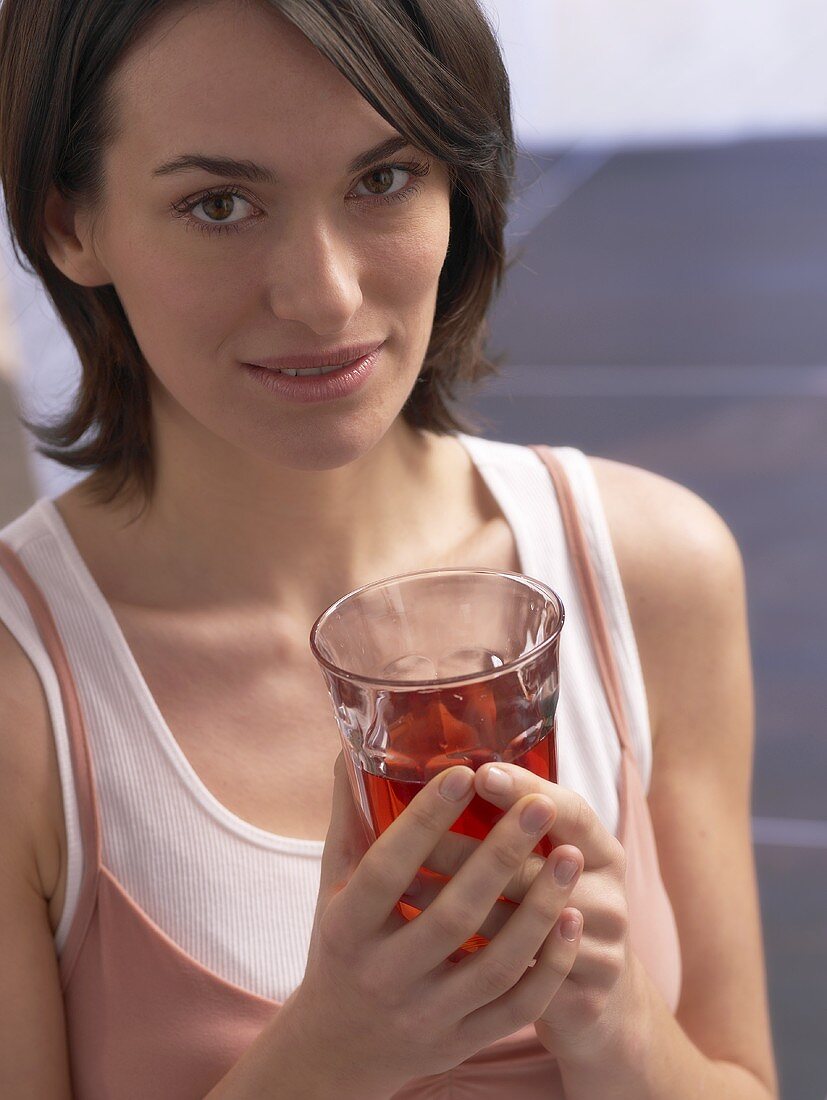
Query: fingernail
x=565, y=871
x=456, y=785
x=536, y=815
x=496, y=780
x=569, y=928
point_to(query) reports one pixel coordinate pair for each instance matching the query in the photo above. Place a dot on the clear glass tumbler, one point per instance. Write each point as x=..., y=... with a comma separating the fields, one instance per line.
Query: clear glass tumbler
x=436, y=668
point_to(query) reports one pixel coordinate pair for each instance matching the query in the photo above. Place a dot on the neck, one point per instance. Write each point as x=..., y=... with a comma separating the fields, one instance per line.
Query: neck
x=234, y=531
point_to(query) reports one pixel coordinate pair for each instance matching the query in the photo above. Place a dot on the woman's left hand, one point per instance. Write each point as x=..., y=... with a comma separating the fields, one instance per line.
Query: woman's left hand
x=595, y=1008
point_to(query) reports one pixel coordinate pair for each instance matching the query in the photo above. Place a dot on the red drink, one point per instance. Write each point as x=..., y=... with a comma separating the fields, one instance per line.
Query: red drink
x=501, y=719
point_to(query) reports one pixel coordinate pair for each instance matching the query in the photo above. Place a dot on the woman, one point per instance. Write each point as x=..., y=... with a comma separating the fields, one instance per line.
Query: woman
x=214, y=194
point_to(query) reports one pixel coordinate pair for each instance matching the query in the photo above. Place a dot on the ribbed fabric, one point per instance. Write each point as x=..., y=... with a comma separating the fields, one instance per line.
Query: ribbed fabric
x=588, y=752
x=236, y=898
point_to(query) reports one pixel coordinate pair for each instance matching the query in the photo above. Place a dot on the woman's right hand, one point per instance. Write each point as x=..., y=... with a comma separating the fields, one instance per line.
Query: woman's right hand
x=380, y=1001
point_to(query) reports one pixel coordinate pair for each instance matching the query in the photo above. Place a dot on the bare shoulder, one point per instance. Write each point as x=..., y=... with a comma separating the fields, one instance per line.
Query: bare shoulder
x=30, y=793
x=663, y=532
x=34, y=1058
x=681, y=569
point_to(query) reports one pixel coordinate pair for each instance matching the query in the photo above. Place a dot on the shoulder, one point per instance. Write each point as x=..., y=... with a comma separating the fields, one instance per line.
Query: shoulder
x=30, y=793
x=662, y=530
x=33, y=1050
x=681, y=569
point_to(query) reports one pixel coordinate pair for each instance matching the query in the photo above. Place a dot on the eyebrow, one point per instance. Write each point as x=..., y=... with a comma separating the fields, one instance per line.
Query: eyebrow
x=257, y=173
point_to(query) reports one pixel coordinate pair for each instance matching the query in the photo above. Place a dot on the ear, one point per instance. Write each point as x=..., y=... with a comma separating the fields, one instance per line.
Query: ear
x=68, y=239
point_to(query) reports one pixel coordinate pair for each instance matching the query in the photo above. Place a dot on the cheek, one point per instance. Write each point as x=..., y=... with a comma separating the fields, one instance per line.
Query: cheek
x=404, y=268
x=179, y=304
x=183, y=283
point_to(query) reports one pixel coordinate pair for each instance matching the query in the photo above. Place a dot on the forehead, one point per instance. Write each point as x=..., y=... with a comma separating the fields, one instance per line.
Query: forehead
x=235, y=76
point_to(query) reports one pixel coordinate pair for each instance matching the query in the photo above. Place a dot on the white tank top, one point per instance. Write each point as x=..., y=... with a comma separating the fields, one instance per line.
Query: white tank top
x=235, y=897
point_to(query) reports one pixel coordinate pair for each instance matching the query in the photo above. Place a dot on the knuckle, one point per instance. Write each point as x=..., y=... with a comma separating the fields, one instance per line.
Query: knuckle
x=530, y=1003
x=584, y=818
x=616, y=917
x=618, y=856
x=370, y=984
x=519, y=1012
x=619, y=957
x=453, y=921
x=331, y=929
x=615, y=962
x=545, y=903
x=432, y=1034
x=520, y=883
x=528, y=872
x=505, y=855
x=374, y=872
x=558, y=963
x=426, y=816
x=496, y=976
x=557, y=958
x=592, y=1005
x=445, y=1052
x=450, y=853
x=378, y=986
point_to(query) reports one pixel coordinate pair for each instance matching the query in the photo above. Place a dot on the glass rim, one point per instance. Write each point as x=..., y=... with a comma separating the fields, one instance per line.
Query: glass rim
x=408, y=685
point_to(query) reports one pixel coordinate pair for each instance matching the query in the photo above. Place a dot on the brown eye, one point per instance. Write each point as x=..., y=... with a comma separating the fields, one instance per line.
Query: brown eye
x=380, y=183
x=379, y=180
x=218, y=207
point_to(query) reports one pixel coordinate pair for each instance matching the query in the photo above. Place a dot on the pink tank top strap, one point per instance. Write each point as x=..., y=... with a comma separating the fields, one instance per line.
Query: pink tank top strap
x=590, y=592
x=79, y=753
x=593, y=603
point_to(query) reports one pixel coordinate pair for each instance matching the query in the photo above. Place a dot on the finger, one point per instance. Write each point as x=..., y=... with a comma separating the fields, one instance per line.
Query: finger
x=493, y=971
x=464, y=903
x=576, y=822
x=526, y=1001
x=347, y=839
x=429, y=886
x=391, y=862
x=455, y=849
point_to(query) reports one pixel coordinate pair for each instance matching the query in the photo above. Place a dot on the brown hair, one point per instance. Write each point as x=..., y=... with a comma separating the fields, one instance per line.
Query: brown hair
x=432, y=68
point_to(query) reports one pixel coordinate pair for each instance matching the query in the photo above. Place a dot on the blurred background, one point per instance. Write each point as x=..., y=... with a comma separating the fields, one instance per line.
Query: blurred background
x=666, y=306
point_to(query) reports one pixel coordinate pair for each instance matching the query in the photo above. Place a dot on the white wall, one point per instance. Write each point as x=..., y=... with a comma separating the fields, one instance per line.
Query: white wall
x=663, y=71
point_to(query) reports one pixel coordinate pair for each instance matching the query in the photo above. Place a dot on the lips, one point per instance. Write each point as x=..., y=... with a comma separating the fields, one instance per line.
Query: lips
x=336, y=357
x=333, y=385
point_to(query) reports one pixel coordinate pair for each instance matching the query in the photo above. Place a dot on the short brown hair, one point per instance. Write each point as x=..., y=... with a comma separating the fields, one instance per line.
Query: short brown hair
x=432, y=68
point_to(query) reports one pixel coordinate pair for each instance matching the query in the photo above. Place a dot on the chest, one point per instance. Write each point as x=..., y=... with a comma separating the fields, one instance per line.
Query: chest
x=253, y=717
x=265, y=750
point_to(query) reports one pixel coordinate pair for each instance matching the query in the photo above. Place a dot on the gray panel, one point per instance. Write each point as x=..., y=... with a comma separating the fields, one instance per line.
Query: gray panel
x=713, y=255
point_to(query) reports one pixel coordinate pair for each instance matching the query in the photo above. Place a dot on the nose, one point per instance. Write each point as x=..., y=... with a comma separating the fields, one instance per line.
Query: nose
x=314, y=278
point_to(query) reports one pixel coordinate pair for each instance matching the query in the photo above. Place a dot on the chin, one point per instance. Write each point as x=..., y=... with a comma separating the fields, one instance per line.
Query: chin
x=330, y=447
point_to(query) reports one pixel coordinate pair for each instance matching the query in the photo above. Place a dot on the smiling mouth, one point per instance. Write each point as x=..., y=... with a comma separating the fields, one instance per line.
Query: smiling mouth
x=310, y=371
x=321, y=363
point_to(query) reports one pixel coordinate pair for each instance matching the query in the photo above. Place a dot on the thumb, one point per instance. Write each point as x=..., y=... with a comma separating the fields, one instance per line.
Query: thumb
x=347, y=837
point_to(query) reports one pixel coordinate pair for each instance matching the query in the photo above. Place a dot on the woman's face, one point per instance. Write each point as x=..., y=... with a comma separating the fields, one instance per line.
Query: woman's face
x=316, y=258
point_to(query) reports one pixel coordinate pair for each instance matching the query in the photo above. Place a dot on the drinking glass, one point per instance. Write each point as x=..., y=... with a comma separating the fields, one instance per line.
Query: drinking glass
x=441, y=667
